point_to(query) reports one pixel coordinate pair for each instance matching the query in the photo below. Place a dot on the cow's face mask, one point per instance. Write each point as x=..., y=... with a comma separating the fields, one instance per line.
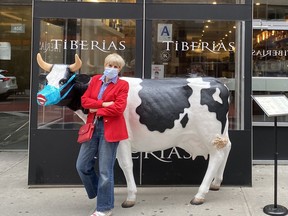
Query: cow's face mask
x=51, y=95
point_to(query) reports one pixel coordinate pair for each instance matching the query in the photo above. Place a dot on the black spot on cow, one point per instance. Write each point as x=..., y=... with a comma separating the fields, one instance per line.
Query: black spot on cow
x=184, y=120
x=221, y=110
x=73, y=99
x=162, y=103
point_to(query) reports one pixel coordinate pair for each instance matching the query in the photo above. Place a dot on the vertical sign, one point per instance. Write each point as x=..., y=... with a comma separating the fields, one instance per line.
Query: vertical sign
x=157, y=71
x=5, y=51
x=164, y=32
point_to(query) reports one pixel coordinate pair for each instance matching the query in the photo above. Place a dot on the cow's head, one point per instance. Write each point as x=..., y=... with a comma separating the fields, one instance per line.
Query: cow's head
x=59, y=81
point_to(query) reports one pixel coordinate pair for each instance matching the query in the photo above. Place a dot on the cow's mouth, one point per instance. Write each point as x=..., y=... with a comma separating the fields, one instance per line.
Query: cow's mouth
x=41, y=99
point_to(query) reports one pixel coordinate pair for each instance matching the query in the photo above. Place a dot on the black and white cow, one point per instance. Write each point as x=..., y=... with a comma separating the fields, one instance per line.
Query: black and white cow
x=188, y=113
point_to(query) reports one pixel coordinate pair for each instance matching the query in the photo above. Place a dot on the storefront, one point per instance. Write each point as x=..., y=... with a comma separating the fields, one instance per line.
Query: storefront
x=158, y=39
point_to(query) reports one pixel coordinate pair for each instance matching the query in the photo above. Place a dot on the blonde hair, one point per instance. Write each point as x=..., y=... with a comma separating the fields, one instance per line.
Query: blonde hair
x=114, y=59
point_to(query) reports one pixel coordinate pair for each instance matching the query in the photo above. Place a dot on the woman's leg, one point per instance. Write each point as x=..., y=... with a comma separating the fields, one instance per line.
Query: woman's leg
x=106, y=158
x=85, y=166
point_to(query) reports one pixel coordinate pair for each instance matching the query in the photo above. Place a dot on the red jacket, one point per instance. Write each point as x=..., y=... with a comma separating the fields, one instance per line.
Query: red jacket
x=114, y=123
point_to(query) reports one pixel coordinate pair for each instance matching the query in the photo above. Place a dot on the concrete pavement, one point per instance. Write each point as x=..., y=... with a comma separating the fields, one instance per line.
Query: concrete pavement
x=17, y=199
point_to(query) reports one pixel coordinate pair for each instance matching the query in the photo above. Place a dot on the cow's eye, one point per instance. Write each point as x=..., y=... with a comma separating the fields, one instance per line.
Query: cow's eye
x=62, y=81
x=42, y=79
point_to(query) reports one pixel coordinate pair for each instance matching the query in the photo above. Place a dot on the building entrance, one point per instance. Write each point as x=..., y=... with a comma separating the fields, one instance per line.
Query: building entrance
x=155, y=45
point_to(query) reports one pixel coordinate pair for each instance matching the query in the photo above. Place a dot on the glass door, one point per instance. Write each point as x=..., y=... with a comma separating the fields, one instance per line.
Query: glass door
x=201, y=42
x=185, y=40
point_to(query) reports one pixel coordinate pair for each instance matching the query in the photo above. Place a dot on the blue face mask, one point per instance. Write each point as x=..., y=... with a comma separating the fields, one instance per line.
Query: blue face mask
x=51, y=95
x=110, y=72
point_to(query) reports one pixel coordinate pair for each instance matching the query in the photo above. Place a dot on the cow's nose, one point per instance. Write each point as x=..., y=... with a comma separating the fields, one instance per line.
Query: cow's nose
x=41, y=99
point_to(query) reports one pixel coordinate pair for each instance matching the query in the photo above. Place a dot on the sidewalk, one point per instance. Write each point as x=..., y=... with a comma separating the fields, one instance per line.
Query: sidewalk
x=17, y=199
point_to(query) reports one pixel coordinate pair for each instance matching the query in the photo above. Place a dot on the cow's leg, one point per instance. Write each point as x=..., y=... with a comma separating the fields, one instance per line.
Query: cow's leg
x=215, y=185
x=215, y=160
x=124, y=157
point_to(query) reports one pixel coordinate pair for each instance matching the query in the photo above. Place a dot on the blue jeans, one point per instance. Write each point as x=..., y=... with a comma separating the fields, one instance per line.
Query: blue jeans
x=101, y=183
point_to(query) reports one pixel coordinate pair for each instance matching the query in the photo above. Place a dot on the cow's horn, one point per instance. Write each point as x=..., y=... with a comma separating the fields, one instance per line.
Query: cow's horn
x=77, y=65
x=44, y=65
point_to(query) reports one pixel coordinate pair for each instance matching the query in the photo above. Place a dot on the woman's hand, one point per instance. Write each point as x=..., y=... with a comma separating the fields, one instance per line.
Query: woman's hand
x=92, y=110
x=106, y=104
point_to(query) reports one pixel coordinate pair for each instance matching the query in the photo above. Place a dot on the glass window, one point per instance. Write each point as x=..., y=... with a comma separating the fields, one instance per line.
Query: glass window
x=201, y=1
x=15, y=58
x=115, y=1
x=270, y=54
x=198, y=49
x=92, y=40
x=270, y=9
x=94, y=1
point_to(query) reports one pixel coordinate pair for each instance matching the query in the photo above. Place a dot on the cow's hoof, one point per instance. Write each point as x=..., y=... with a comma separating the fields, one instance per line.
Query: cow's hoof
x=214, y=188
x=128, y=204
x=197, y=201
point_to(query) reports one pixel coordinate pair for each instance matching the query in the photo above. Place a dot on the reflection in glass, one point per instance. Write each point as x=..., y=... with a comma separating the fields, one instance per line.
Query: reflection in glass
x=95, y=1
x=270, y=53
x=270, y=71
x=15, y=64
x=115, y=1
x=270, y=10
x=189, y=48
x=201, y=1
x=199, y=49
x=92, y=40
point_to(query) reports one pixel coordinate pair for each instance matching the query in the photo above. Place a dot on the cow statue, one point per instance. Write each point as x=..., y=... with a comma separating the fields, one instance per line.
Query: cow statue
x=190, y=113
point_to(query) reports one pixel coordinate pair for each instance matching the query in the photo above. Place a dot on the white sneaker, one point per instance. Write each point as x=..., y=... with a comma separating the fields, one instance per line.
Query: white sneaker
x=97, y=213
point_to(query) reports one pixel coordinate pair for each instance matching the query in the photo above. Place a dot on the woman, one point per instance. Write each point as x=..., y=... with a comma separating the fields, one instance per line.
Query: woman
x=106, y=99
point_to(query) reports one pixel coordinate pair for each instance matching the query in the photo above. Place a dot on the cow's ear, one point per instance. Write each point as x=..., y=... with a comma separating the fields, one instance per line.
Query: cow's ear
x=82, y=79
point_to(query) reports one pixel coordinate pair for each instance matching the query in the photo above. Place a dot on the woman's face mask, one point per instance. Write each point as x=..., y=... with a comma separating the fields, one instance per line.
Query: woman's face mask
x=111, y=72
